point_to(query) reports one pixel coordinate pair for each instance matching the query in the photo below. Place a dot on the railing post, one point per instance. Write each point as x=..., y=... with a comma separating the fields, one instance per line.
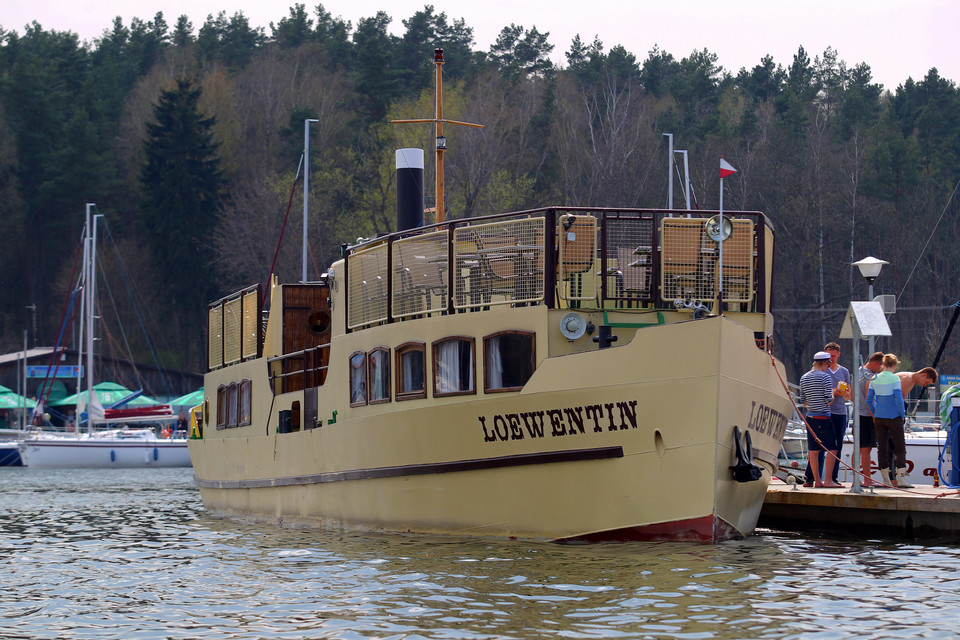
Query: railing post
x=451, y=265
x=550, y=259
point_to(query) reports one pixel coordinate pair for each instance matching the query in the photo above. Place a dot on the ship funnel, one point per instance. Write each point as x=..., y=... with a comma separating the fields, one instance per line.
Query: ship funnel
x=409, y=189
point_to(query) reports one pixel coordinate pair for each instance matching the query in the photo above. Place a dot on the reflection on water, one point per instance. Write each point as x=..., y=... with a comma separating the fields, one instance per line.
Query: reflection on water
x=131, y=554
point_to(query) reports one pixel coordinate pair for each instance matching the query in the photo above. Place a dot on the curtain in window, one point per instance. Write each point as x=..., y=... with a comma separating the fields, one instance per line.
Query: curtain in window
x=454, y=366
x=358, y=379
x=494, y=363
x=379, y=376
x=411, y=375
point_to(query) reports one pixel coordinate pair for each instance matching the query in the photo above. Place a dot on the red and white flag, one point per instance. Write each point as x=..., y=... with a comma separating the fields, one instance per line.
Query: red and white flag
x=726, y=168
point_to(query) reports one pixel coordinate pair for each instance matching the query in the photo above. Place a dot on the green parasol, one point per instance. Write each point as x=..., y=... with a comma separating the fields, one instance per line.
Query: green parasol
x=11, y=400
x=190, y=400
x=108, y=393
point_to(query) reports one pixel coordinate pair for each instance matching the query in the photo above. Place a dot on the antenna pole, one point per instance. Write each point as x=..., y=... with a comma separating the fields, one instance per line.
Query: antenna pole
x=306, y=194
x=669, y=170
x=440, y=195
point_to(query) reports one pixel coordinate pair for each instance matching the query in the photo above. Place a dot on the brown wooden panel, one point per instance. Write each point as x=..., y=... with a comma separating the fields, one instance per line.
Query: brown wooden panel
x=306, y=317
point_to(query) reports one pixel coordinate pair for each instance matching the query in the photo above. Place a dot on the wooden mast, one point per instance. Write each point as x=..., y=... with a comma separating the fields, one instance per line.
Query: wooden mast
x=438, y=120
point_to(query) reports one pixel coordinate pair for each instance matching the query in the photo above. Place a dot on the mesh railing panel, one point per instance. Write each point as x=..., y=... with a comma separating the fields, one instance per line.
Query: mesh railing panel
x=215, y=337
x=420, y=268
x=250, y=320
x=367, y=287
x=232, y=323
x=499, y=263
x=628, y=257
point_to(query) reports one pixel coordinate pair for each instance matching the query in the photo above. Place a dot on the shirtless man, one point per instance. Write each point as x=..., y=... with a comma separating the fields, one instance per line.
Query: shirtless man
x=908, y=379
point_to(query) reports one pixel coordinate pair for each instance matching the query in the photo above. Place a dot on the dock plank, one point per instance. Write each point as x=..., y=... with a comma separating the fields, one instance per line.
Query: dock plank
x=922, y=512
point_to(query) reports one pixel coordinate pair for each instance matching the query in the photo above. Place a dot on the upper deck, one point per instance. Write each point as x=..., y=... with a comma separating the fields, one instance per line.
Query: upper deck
x=614, y=264
x=579, y=258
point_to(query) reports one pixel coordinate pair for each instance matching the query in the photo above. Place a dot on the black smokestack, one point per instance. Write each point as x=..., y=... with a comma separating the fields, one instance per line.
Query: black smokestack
x=409, y=189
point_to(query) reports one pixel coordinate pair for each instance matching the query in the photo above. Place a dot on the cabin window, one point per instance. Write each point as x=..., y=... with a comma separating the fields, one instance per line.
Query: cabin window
x=358, y=379
x=245, y=416
x=410, y=371
x=222, y=406
x=378, y=363
x=232, y=404
x=453, y=366
x=509, y=359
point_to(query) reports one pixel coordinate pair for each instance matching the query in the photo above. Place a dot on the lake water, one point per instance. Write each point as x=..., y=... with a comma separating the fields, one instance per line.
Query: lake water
x=131, y=554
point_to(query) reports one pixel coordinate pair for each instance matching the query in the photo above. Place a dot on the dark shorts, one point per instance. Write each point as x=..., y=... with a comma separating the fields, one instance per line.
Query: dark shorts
x=868, y=433
x=823, y=428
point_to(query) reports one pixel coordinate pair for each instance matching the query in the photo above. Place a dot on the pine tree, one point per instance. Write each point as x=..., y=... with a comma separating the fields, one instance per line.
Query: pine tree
x=181, y=181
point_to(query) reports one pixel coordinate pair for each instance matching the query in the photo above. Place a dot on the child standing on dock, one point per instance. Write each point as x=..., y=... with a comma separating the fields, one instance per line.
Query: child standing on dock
x=885, y=400
x=817, y=392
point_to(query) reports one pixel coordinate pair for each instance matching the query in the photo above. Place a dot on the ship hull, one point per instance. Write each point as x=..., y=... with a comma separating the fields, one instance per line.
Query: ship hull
x=633, y=442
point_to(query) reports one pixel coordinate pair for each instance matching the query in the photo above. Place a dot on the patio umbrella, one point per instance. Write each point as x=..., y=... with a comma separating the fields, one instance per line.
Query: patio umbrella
x=108, y=393
x=190, y=400
x=12, y=400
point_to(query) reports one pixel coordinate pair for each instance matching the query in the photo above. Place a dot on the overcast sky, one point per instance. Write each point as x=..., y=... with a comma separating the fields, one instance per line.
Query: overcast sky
x=897, y=38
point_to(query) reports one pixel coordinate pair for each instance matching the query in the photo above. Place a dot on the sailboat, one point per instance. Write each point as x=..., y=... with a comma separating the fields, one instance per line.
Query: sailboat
x=105, y=438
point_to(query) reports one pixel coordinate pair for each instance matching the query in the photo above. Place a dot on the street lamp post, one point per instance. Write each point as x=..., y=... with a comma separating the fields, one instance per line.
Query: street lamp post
x=869, y=268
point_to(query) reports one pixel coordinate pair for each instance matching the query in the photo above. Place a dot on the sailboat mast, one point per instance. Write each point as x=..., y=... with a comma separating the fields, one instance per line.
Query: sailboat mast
x=86, y=323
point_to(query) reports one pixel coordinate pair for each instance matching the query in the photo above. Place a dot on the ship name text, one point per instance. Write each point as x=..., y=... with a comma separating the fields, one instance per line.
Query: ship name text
x=568, y=421
x=767, y=421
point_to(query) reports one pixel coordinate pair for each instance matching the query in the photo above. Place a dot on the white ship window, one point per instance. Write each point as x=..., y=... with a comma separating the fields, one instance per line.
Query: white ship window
x=411, y=382
x=232, y=404
x=245, y=416
x=378, y=365
x=221, y=406
x=453, y=366
x=358, y=379
x=509, y=358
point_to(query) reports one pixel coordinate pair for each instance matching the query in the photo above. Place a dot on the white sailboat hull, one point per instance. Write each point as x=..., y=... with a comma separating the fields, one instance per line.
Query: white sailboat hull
x=105, y=452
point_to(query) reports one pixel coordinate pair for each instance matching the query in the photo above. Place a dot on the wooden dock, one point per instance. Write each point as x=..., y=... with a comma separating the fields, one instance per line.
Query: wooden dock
x=921, y=512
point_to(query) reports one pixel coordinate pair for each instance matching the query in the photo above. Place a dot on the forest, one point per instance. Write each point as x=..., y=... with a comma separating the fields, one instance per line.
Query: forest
x=188, y=140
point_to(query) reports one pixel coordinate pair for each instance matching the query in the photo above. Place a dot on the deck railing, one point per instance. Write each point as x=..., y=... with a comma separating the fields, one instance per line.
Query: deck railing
x=577, y=258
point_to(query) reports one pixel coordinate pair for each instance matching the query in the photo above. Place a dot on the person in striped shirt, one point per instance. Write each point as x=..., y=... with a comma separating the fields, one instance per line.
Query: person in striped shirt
x=816, y=393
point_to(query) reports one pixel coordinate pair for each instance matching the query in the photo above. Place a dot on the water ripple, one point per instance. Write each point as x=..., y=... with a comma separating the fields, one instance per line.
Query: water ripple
x=132, y=554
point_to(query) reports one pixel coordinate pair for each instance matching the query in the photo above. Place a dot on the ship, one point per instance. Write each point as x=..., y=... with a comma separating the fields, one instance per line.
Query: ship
x=570, y=374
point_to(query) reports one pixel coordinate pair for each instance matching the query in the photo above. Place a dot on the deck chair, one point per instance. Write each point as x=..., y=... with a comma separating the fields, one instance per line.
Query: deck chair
x=576, y=255
x=680, y=258
x=738, y=263
x=634, y=270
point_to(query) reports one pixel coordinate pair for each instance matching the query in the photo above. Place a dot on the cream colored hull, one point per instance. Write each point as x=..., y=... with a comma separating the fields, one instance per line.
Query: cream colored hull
x=637, y=443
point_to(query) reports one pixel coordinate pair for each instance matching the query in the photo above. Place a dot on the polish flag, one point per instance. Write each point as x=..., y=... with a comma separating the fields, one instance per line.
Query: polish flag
x=726, y=168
